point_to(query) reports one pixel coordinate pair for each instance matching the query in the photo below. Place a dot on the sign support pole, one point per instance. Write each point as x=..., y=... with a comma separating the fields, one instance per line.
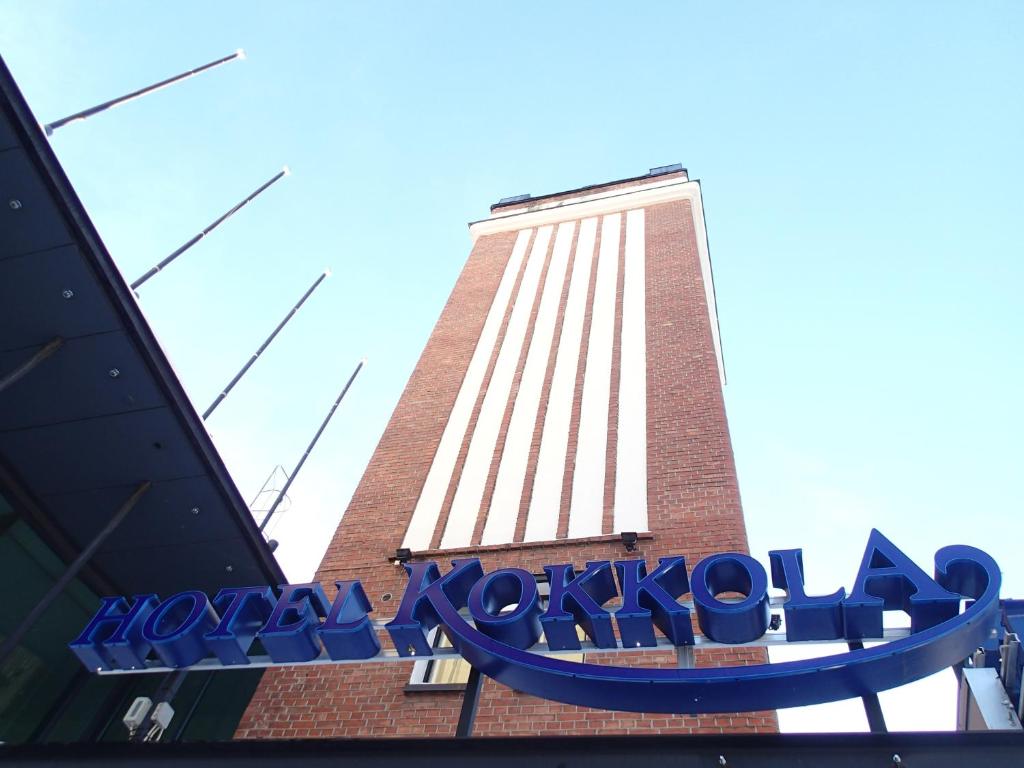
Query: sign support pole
x=470, y=700
x=872, y=707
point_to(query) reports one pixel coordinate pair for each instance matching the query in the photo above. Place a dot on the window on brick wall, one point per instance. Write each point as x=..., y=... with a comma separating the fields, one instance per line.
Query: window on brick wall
x=451, y=673
x=439, y=674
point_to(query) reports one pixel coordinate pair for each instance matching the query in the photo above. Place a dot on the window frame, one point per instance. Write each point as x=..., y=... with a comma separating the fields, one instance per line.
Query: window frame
x=419, y=679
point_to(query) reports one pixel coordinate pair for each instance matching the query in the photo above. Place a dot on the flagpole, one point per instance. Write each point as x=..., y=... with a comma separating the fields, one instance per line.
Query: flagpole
x=85, y=114
x=312, y=443
x=285, y=171
x=255, y=356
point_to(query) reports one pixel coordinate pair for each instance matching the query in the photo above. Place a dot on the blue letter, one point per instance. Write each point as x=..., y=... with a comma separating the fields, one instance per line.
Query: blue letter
x=644, y=594
x=243, y=610
x=417, y=613
x=114, y=636
x=586, y=594
x=889, y=579
x=189, y=616
x=520, y=627
x=969, y=572
x=807, y=618
x=347, y=632
x=290, y=633
x=738, y=622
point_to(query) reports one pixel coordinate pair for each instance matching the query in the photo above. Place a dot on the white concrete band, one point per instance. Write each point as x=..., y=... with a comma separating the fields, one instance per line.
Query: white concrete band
x=640, y=196
x=631, y=449
x=508, y=488
x=587, y=506
x=469, y=494
x=546, y=498
x=428, y=507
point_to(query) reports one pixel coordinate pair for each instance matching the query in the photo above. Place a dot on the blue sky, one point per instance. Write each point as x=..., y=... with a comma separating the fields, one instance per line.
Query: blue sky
x=860, y=166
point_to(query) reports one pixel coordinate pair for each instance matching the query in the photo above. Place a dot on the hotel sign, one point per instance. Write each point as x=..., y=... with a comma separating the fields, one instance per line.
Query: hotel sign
x=298, y=624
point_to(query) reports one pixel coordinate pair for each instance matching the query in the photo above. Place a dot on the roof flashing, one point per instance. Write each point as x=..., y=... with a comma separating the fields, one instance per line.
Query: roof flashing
x=663, y=169
x=530, y=202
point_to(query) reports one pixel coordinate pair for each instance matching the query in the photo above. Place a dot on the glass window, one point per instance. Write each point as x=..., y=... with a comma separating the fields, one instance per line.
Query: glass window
x=45, y=693
x=449, y=673
x=40, y=675
x=446, y=671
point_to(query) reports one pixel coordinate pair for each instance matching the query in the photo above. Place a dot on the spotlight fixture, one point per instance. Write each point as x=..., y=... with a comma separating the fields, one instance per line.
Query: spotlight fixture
x=403, y=555
x=629, y=540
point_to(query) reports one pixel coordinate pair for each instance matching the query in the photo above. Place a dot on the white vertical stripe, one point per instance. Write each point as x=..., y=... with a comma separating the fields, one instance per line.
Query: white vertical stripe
x=587, y=506
x=435, y=488
x=470, y=492
x=631, y=451
x=508, y=488
x=546, y=498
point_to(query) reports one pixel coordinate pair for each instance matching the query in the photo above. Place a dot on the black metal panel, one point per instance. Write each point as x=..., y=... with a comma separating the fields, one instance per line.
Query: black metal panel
x=163, y=516
x=32, y=302
x=81, y=438
x=36, y=224
x=95, y=453
x=189, y=442
x=914, y=750
x=7, y=137
x=90, y=376
x=172, y=568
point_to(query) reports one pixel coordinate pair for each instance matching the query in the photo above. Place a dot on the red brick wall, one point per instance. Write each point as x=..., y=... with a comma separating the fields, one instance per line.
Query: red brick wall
x=693, y=507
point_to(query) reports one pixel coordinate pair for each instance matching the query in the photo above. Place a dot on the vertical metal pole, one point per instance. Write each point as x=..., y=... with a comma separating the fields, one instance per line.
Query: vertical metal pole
x=872, y=707
x=685, y=657
x=470, y=701
x=175, y=254
x=312, y=443
x=12, y=640
x=49, y=128
x=32, y=362
x=231, y=384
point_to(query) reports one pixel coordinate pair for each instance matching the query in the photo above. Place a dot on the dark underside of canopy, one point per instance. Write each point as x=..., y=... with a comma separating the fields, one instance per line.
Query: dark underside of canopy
x=105, y=412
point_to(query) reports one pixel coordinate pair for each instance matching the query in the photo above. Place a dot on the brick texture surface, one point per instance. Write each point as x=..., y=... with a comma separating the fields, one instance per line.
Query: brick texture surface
x=693, y=504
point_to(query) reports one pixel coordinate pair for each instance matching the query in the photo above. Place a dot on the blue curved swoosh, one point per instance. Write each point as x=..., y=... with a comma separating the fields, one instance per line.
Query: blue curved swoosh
x=961, y=569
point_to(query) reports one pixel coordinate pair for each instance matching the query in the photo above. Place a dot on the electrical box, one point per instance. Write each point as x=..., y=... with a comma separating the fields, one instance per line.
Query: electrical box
x=137, y=712
x=162, y=714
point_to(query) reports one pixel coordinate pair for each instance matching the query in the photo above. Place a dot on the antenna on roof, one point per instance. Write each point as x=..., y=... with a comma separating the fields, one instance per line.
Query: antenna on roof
x=85, y=114
x=268, y=492
x=231, y=384
x=312, y=443
x=285, y=171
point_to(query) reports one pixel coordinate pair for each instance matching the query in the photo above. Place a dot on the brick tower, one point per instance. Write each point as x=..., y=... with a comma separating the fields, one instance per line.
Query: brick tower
x=571, y=391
